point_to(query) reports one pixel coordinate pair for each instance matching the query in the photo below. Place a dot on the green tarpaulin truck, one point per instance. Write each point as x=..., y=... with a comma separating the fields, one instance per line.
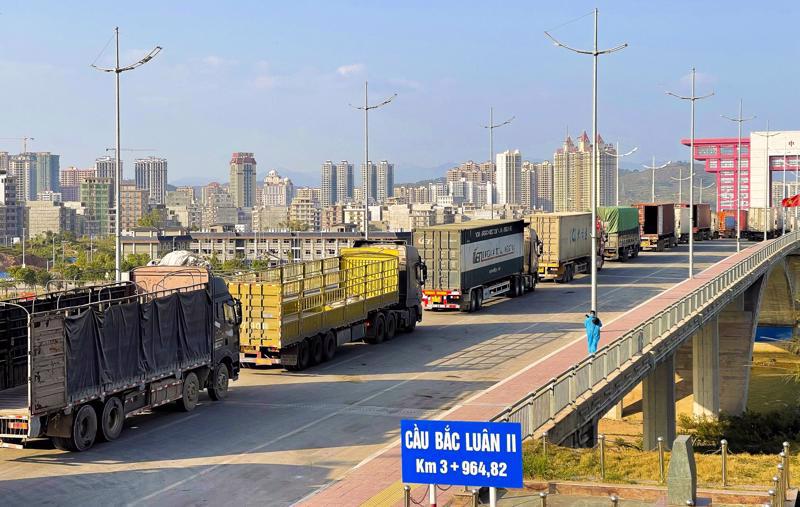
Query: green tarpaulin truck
x=621, y=227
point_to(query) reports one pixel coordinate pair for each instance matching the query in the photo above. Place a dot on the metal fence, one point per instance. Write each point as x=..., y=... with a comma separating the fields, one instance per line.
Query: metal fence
x=542, y=405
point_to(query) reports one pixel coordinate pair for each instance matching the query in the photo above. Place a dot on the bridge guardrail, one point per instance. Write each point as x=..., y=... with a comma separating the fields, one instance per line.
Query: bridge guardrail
x=543, y=404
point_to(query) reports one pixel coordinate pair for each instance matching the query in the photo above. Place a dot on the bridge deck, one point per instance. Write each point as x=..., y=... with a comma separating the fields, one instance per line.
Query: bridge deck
x=377, y=480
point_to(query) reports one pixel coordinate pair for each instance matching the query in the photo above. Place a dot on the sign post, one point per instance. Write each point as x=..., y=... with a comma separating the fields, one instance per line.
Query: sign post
x=461, y=453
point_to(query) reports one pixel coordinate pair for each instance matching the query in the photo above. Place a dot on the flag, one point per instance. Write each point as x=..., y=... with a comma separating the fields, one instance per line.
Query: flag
x=791, y=202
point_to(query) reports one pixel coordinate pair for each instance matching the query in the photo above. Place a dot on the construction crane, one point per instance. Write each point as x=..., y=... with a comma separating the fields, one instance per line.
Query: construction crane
x=23, y=139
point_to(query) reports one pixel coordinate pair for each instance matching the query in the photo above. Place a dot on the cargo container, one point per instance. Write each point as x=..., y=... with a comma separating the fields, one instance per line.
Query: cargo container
x=757, y=224
x=84, y=360
x=701, y=222
x=682, y=228
x=727, y=223
x=297, y=315
x=621, y=232
x=657, y=222
x=473, y=261
x=566, y=240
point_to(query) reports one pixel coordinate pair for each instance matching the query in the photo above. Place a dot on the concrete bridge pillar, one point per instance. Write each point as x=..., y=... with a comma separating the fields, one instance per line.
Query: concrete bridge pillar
x=658, y=404
x=705, y=369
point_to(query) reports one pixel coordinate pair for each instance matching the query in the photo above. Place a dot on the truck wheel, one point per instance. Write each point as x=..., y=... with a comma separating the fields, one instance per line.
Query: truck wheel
x=391, y=325
x=412, y=320
x=84, y=431
x=478, y=299
x=303, y=355
x=111, y=420
x=218, y=387
x=191, y=392
x=379, y=334
x=315, y=349
x=328, y=346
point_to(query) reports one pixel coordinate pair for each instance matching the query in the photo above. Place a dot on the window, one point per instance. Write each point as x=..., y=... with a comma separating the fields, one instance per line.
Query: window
x=745, y=150
x=706, y=150
x=726, y=164
x=726, y=150
x=744, y=164
x=712, y=164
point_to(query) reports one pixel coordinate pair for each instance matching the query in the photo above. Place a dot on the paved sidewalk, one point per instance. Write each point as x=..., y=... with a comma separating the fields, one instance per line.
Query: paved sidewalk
x=377, y=481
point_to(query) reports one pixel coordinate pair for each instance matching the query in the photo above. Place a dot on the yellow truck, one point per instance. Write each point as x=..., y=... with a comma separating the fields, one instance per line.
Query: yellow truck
x=297, y=315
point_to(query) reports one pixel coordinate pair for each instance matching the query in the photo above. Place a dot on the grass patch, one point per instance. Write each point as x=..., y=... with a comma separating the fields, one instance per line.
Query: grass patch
x=626, y=464
x=774, y=384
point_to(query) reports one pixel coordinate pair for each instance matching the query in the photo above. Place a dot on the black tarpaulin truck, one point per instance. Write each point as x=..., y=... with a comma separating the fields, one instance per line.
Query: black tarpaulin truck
x=75, y=364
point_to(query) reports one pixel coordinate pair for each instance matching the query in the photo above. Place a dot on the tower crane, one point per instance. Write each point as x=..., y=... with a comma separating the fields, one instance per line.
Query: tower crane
x=23, y=139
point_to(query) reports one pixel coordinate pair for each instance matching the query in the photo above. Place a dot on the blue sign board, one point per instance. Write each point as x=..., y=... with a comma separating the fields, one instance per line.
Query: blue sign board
x=462, y=453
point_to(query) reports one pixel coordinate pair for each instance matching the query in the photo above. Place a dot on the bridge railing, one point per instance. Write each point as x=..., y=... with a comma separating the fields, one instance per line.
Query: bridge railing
x=542, y=406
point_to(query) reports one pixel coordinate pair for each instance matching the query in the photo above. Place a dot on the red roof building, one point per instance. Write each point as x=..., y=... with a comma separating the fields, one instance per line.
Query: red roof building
x=719, y=155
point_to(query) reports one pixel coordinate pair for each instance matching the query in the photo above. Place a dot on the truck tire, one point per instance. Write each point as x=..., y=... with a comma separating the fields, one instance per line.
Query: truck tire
x=379, y=333
x=218, y=384
x=513, y=289
x=411, y=325
x=478, y=299
x=112, y=419
x=84, y=431
x=191, y=392
x=391, y=325
x=315, y=349
x=329, y=346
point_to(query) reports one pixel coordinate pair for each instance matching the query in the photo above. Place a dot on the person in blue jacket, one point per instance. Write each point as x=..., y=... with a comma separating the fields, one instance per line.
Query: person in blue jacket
x=593, y=325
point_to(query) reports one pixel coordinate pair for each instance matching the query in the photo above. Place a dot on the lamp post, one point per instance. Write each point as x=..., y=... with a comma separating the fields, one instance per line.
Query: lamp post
x=617, y=156
x=768, y=182
x=654, y=167
x=692, y=99
x=117, y=70
x=594, y=52
x=490, y=127
x=366, y=108
x=701, y=188
x=739, y=120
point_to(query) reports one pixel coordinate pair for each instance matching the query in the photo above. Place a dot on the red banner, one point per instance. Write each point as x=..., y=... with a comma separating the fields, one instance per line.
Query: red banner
x=791, y=202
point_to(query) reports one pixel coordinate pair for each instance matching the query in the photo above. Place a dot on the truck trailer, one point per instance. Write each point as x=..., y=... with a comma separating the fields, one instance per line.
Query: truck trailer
x=682, y=223
x=760, y=220
x=566, y=240
x=657, y=222
x=701, y=222
x=76, y=363
x=726, y=221
x=473, y=261
x=621, y=229
x=297, y=315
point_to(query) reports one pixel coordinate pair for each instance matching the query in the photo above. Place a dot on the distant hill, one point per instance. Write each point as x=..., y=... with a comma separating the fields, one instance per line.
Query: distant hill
x=635, y=185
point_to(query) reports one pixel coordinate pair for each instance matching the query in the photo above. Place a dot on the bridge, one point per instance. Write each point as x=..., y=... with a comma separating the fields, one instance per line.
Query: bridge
x=702, y=328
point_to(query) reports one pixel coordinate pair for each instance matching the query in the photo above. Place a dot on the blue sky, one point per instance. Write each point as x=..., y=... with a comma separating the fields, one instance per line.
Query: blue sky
x=275, y=78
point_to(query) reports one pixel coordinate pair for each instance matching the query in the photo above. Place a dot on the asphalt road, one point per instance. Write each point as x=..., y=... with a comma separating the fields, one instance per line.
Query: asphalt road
x=280, y=436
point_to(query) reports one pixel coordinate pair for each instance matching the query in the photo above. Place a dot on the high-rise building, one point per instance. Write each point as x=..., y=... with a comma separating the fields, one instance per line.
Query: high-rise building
x=304, y=211
x=328, y=184
x=310, y=193
x=243, y=180
x=11, y=213
x=277, y=191
x=528, y=186
x=345, y=182
x=104, y=167
x=572, y=169
x=42, y=217
x=508, y=176
x=72, y=176
x=4, y=161
x=135, y=204
x=371, y=180
x=544, y=185
x=151, y=175
x=23, y=168
x=97, y=194
x=47, y=172
x=384, y=187
x=210, y=190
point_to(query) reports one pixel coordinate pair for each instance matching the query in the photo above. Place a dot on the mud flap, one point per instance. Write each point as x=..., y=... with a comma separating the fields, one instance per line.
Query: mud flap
x=289, y=356
x=60, y=425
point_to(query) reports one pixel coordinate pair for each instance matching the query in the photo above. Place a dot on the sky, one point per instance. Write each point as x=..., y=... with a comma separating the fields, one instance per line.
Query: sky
x=275, y=78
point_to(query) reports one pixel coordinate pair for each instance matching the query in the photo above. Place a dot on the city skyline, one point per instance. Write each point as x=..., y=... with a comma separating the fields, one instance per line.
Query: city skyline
x=299, y=92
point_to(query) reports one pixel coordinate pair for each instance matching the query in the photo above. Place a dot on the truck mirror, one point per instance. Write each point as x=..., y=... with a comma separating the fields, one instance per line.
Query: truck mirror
x=422, y=273
x=233, y=312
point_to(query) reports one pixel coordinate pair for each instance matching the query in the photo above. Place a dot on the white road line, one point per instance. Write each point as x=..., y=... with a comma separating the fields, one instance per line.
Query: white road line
x=274, y=440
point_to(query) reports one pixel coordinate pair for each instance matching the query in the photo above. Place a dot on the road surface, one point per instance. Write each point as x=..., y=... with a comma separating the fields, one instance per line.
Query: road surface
x=280, y=436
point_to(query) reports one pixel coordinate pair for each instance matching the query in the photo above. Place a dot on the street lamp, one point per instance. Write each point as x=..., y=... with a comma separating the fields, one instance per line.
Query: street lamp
x=617, y=156
x=594, y=52
x=366, y=108
x=692, y=99
x=768, y=182
x=491, y=126
x=701, y=188
x=739, y=120
x=117, y=70
x=654, y=167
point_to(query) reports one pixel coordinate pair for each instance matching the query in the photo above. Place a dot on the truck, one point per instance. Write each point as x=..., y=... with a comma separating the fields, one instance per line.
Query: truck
x=761, y=219
x=566, y=239
x=726, y=223
x=682, y=223
x=657, y=222
x=621, y=232
x=701, y=222
x=474, y=261
x=74, y=364
x=297, y=315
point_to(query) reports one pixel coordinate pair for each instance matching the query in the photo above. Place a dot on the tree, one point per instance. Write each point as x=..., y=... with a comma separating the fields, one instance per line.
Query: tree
x=152, y=219
x=42, y=277
x=134, y=261
x=294, y=225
